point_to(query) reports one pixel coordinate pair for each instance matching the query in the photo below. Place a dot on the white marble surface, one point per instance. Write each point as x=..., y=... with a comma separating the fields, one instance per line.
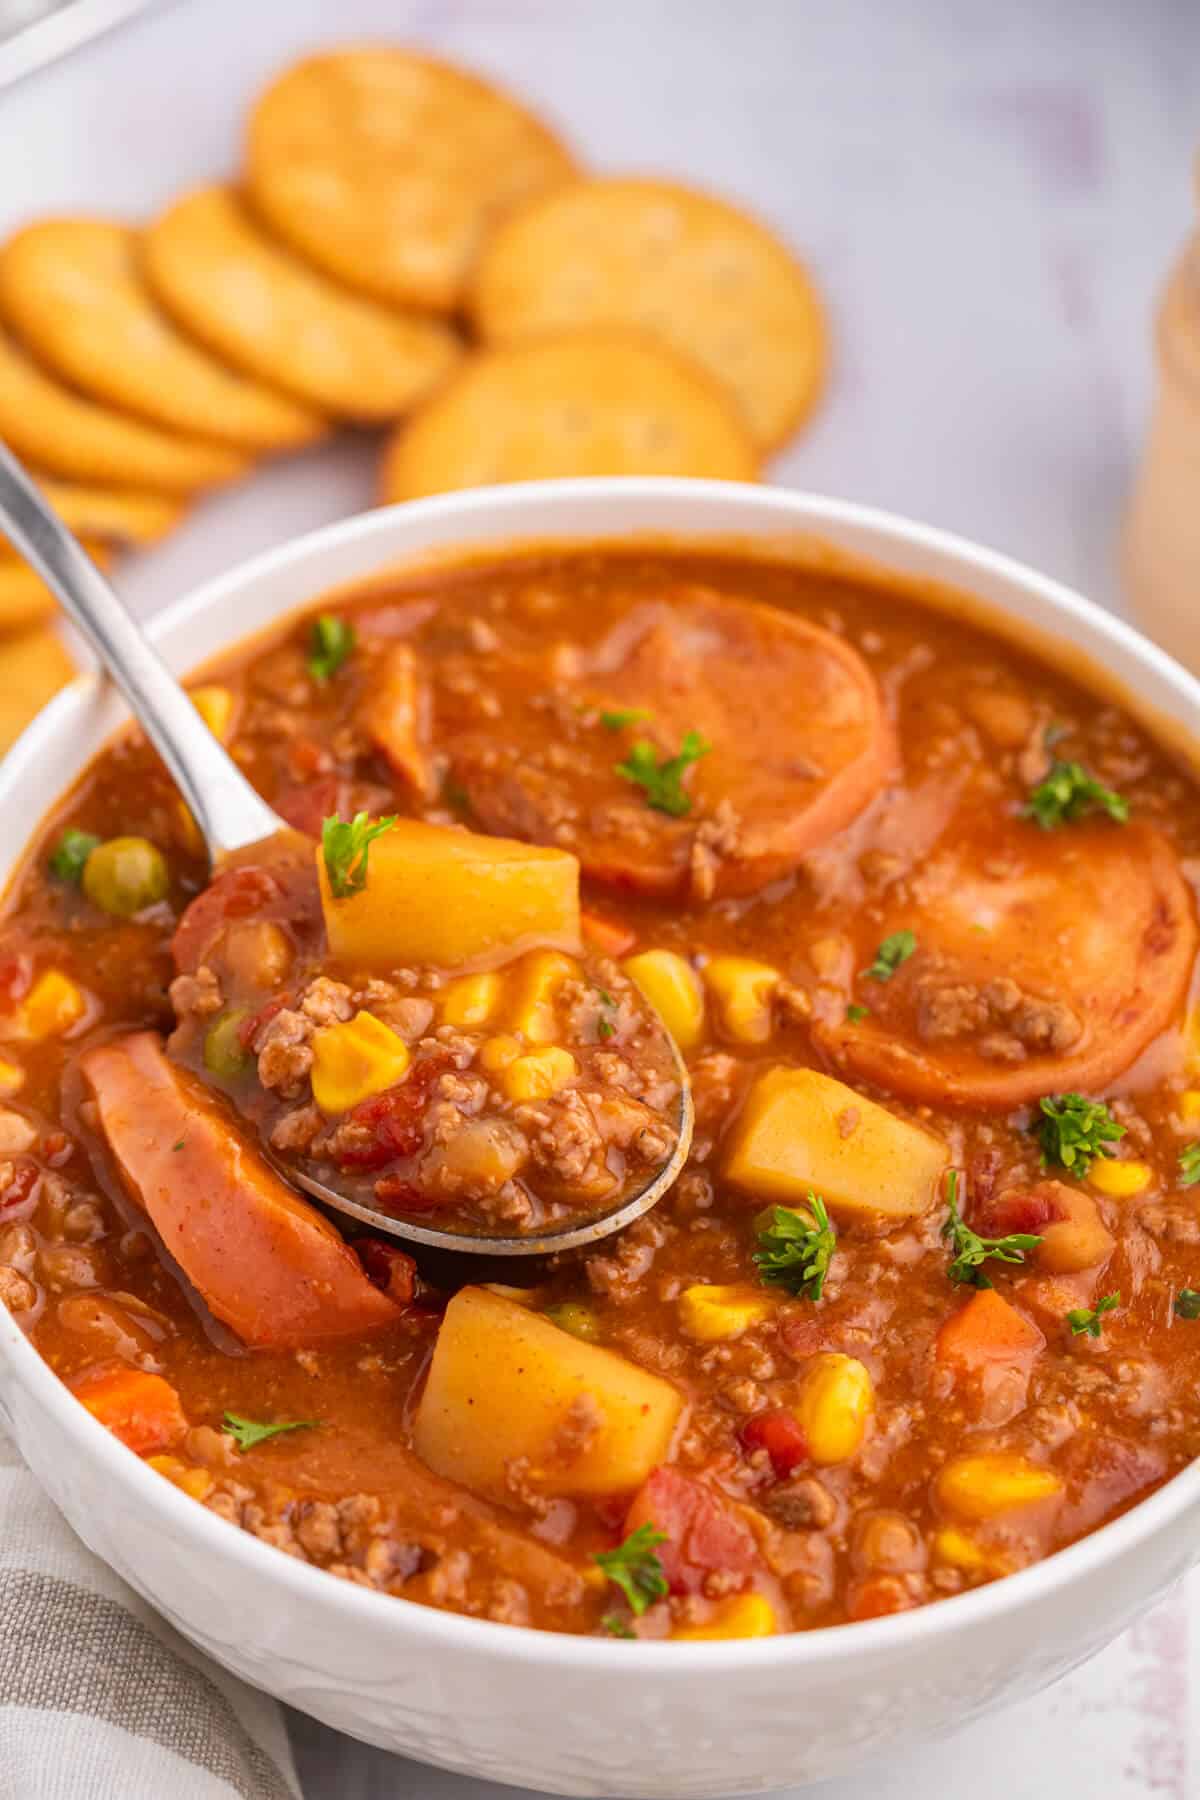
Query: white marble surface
x=989, y=195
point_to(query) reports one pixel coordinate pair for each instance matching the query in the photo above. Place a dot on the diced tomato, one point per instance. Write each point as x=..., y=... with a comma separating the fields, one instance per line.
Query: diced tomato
x=878, y=1597
x=307, y=804
x=1019, y=1210
x=19, y=1190
x=988, y=1330
x=16, y=978
x=607, y=935
x=611, y=1509
x=143, y=1410
x=250, y=1027
x=395, y=1119
x=235, y=894
x=703, y=1535
x=780, y=1435
x=397, y=1195
x=388, y=1267
x=306, y=758
x=57, y=1149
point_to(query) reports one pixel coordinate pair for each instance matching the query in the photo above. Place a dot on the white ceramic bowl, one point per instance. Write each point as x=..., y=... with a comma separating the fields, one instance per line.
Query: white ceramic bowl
x=583, y=1715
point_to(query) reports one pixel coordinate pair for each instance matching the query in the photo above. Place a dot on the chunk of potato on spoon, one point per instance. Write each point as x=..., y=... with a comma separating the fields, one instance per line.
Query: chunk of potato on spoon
x=405, y=1008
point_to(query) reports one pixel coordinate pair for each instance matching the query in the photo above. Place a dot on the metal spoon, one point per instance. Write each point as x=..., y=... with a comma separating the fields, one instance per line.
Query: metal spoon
x=232, y=816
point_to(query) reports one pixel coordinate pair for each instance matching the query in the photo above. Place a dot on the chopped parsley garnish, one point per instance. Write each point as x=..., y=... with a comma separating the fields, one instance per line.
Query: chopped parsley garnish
x=855, y=1013
x=330, y=643
x=662, y=782
x=1085, y=1321
x=605, y=1027
x=1073, y=1132
x=971, y=1251
x=246, y=1433
x=795, y=1247
x=70, y=853
x=178, y=1145
x=1187, y=1303
x=346, y=844
x=893, y=951
x=621, y=716
x=615, y=1626
x=1069, y=794
x=1189, y=1165
x=635, y=1569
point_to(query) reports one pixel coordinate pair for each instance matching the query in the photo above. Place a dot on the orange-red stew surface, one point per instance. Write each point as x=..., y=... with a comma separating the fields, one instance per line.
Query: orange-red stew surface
x=920, y=914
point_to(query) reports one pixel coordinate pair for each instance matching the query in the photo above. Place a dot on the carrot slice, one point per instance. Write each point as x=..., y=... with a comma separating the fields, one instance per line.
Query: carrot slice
x=986, y=1330
x=606, y=935
x=1044, y=962
x=394, y=714
x=143, y=1410
x=268, y=1265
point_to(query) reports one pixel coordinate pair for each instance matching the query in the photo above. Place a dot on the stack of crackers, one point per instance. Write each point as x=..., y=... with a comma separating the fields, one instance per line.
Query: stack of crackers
x=407, y=247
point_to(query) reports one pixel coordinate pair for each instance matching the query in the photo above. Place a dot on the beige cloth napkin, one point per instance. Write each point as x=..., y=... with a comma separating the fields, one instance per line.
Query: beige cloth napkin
x=99, y=1698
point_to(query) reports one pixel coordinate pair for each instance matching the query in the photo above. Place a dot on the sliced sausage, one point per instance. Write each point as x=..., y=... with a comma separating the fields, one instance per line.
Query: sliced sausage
x=268, y=1265
x=704, y=1536
x=1044, y=963
x=799, y=744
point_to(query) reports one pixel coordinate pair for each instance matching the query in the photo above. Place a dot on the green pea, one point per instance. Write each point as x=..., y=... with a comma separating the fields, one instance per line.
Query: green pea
x=579, y=1321
x=125, y=875
x=224, y=1052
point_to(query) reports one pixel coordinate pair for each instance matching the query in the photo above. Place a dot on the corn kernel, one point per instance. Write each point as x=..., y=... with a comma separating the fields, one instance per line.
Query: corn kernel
x=673, y=989
x=355, y=1059
x=741, y=1616
x=1120, y=1180
x=539, y=1074
x=192, y=1479
x=980, y=1487
x=52, y=1006
x=470, y=1001
x=712, y=1314
x=12, y=1077
x=498, y=1052
x=742, y=990
x=837, y=1400
x=1189, y=1106
x=215, y=706
x=953, y=1546
x=538, y=981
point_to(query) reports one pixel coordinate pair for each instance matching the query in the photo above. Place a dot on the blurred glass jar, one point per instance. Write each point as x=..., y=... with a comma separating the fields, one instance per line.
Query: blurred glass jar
x=1161, y=548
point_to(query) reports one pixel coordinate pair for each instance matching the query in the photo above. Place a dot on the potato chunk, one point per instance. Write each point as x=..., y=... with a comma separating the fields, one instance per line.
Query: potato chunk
x=800, y=1130
x=506, y=1384
x=449, y=899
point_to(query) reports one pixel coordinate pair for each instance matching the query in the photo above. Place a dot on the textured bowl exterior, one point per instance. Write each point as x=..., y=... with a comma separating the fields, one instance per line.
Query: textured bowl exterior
x=573, y=1715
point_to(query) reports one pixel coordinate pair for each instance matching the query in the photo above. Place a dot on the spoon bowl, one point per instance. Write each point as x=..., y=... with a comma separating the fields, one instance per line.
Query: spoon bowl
x=233, y=818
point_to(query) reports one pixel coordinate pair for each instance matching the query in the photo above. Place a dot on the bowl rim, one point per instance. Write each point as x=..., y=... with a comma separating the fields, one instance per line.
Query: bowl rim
x=1126, y=654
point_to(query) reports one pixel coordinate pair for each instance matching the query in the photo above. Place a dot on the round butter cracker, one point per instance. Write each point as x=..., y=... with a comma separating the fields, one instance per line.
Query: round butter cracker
x=254, y=303
x=72, y=291
x=25, y=599
x=386, y=168
x=123, y=517
x=58, y=430
x=587, y=403
x=33, y=666
x=711, y=282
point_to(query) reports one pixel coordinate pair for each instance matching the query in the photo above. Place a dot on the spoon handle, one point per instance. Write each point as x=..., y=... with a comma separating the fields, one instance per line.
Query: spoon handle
x=225, y=806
